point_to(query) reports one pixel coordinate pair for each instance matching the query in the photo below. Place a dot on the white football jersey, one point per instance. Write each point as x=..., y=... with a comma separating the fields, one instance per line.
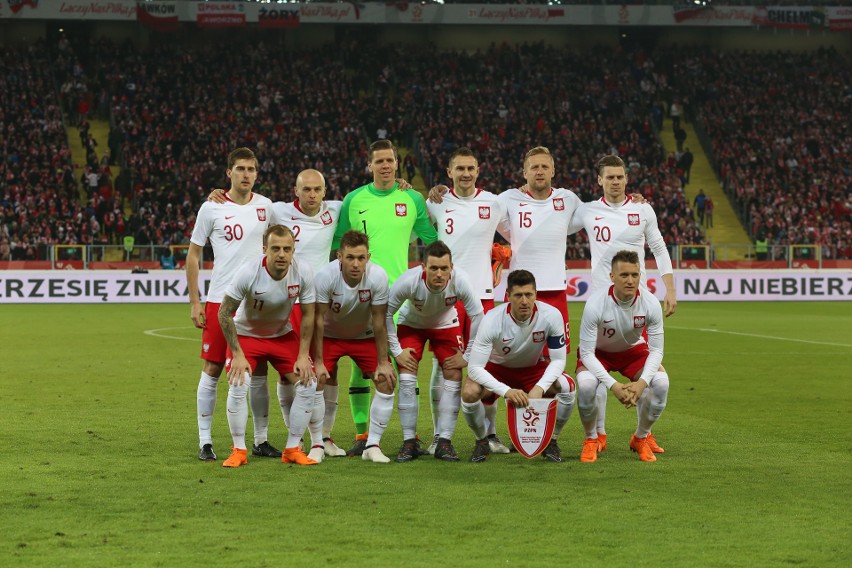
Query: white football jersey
x=503, y=340
x=349, y=314
x=421, y=308
x=614, y=327
x=612, y=227
x=467, y=225
x=312, y=234
x=539, y=231
x=266, y=303
x=235, y=232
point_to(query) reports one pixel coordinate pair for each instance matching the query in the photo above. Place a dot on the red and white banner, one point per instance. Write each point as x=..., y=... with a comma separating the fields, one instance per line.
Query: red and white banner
x=273, y=15
x=532, y=427
x=158, y=16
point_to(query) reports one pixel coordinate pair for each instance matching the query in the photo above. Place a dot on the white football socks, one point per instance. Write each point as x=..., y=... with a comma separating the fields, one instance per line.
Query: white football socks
x=317, y=419
x=602, y=392
x=259, y=401
x=474, y=415
x=206, y=404
x=448, y=409
x=238, y=413
x=331, y=395
x=436, y=387
x=300, y=413
x=407, y=405
x=491, y=418
x=587, y=402
x=652, y=403
x=380, y=413
x=286, y=393
x=564, y=403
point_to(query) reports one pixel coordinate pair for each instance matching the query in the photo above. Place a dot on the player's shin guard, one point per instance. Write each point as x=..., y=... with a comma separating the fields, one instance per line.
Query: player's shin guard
x=448, y=407
x=259, y=401
x=474, y=415
x=652, y=403
x=587, y=402
x=359, y=399
x=601, y=404
x=315, y=425
x=407, y=405
x=300, y=413
x=436, y=387
x=380, y=413
x=206, y=403
x=564, y=402
x=330, y=395
x=286, y=393
x=238, y=413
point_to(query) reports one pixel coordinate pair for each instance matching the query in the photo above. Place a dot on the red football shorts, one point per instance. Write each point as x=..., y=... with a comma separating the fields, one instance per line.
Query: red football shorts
x=280, y=352
x=214, y=348
x=523, y=378
x=445, y=342
x=464, y=321
x=629, y=363
x=361, y=351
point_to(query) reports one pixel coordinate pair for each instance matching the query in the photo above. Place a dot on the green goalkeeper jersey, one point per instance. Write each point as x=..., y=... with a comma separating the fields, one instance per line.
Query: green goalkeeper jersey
x=388, y=218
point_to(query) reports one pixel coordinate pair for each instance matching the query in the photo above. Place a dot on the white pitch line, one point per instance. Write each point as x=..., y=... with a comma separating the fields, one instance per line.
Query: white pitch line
x=761, y=336
x=153, y=332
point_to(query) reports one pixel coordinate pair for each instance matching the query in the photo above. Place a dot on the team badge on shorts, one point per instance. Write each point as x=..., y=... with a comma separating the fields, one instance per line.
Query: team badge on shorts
x=558, y=204
x=638, y=322
x=401, y=209
x=365, y=295
x=532, y=427
x=293, y=291
x=633, y=219
x=451, y=300
x=485, y=212
x=326, y=218
x=261, y=214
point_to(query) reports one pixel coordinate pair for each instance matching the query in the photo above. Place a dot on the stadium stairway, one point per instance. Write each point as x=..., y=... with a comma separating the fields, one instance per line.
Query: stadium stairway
x=418, y=182
x=99, y=129
x=727, y=229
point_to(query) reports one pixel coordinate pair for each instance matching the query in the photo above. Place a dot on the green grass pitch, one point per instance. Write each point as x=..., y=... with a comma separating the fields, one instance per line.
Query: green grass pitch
x=100, y=464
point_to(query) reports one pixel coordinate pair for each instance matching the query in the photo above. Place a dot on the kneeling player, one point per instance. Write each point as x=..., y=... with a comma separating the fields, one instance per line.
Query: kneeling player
x=426, y=297
x=506, y=359
x=262, y=293
x=611, y=339
x=352, y=298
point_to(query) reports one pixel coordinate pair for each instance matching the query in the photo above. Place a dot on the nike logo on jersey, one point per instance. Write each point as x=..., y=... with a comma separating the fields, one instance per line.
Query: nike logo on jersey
x=360, y=212
x=259, y=293
x=231, y=217
x=505, y=340
x=598, y=218
x=449, y=210
x=607, y=321
x=294, y=218
x=336, y=294
x=524, y=204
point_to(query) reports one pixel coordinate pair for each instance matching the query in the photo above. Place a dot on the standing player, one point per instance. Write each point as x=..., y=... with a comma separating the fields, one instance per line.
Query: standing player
x=262, y=293
x=540, y=218
x=507, y=360
x=426, y=298
x=352, y=298
x=612, y=339
x=388, y=217
x=235, y=230
x=618, y=222
x=466, y=220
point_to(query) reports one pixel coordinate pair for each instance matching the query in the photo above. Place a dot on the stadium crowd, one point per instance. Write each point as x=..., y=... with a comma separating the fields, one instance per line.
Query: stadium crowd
x=172, y=128
x=781, y=145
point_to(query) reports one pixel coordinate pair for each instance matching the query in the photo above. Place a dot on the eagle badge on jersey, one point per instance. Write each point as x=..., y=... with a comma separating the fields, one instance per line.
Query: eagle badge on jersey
x=261, y=214
x=401, y=209
x=365, y=295
x=326, y=218
x=451, y=300
x=293, y=291
x=531, y=428
x=558, y=204
x=538, y=336
x=485, y=212
x=633, y=219
x=638, y=322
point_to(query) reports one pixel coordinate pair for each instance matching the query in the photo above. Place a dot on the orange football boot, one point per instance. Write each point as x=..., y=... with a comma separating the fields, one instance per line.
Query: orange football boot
x=296, y=456
x=590, y=450
x=641, y=447
x=237, y=458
